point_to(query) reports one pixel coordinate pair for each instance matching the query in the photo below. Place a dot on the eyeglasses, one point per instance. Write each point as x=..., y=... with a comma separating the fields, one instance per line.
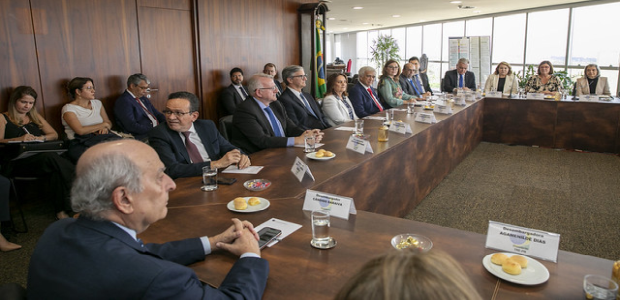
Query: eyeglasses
x=304, y=76
x=178, y=114
x=143, y=87
x=88, y=88
x=392, y=67
x=273, y=88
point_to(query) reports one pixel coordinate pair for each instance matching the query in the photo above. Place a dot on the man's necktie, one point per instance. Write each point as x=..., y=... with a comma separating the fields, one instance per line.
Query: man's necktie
x=151, y=116
x=192, y=150
x=375, y=100
x=274, y=122
x=245, y=95
x=415, y=88
x=460, y=80
x=307, y=105
x=419, y=83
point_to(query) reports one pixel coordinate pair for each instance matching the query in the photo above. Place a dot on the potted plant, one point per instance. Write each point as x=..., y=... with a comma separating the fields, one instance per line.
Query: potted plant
x=384, y=48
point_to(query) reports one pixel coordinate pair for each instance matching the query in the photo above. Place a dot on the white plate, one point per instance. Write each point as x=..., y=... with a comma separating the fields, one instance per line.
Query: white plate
x=535, y=273
x=313, y=156
x=264, y=203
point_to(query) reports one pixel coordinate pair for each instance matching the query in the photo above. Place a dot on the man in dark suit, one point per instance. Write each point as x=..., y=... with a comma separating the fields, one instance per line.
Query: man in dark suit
x=206, y=145
x=120, y=190
x=420, y=77
x=459, y=78
x=270, y=69
x=300, y=106
x=261, y=122
x=133, y=112
x=234, y=94
x=363, y=96
x=406, y=82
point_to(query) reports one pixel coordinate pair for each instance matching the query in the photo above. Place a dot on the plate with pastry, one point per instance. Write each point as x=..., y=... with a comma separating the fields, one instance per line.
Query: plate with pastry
x=321, y=155
x=248, y=204
x=516, y=268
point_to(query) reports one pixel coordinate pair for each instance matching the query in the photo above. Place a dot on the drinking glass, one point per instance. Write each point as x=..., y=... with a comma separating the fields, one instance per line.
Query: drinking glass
x=309, y=143
x=209, y=179
x=359, y=127
x=599, y=287
x=320, y=227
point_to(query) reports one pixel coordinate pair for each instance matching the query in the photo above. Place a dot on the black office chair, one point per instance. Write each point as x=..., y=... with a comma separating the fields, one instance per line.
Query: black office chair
x=226, y=127
x=18, y=202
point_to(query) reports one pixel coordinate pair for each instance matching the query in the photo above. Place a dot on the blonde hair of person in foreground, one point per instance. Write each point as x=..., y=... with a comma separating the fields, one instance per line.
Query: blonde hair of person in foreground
x=408, y=274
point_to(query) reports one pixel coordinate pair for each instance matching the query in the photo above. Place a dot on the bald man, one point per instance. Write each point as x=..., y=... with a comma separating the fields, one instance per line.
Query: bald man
x=120, y=190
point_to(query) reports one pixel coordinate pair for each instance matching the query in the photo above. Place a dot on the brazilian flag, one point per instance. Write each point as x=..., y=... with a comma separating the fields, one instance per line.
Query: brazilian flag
x=319, y=65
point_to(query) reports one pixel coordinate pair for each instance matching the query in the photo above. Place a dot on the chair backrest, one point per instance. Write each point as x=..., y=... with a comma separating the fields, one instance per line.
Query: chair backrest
x=226, y=127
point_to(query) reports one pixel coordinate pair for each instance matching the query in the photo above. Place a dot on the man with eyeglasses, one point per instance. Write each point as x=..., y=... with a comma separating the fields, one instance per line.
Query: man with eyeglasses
x=420, y=76
x=300, y=107
x=363, y=96
x=234, y=94
x=186, y=144
x=261, y=122
x=133, y=111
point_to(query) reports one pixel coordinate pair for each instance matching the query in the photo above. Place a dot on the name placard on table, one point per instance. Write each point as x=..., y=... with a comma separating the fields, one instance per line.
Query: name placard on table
x=523, y=240
x=428, y=118
x=299, y=169
x=359, y=145
x=536, y=96
x=400, y=127
x=443, y=109
x=338, y=206
x=495, y=94
x=589, y=97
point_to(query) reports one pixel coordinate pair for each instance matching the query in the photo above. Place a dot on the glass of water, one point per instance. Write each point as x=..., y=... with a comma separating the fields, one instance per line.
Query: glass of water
x=359, y=127
x=309, y=143
x=320, y=228
x=599, y=287
x=209, y=179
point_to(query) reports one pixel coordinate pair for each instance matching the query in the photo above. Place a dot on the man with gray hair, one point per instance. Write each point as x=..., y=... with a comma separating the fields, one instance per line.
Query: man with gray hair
x=261, y=122
x=133, y=111
x=459, y=78
x=120, y=190
x=300, y=106
x=363, y=96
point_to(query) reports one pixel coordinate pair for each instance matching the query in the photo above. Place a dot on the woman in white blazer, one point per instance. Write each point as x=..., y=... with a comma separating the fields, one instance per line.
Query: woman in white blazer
x=337, y=107
x=592, y=83
x=503, y=80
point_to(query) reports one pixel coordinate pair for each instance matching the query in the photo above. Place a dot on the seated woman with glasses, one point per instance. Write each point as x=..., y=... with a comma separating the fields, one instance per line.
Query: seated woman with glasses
x=544, y=82
x=390, y=90
x=84, y=118
x=22, y=123
x=592, y=83
x=337, y=108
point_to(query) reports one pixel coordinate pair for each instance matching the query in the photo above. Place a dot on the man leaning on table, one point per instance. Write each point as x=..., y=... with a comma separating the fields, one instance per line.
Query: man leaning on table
x=186, y=144
x=120, y=190
x=261, y=122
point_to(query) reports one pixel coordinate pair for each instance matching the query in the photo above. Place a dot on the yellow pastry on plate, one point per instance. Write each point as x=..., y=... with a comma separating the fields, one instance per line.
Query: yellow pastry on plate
x=499, y=258
x=520, y=260
x=319, y=154
x=240, y=203
x=511, y=267
x=253, y=201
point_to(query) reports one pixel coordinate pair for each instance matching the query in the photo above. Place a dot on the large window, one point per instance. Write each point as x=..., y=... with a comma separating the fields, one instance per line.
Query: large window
x=546, y=37
x=521, y=39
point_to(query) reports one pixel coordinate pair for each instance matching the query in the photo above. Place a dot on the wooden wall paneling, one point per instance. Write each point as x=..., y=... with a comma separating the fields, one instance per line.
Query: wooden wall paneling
x=167, y=50
x=96, y=39
x=169, y=4
x=18, y=56
x=246, y=34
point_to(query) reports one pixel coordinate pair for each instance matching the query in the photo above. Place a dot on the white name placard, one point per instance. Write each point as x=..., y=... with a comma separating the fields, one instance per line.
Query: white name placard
x=338, y=206
x=523, y=240
x=299, y=169
x=359, y=145
x=494, y=94
x=589, y=97
x=536, y=96
x=400, y=127
x=470, y=97
x=443, y=109
x=460, y=101
x=427, y=118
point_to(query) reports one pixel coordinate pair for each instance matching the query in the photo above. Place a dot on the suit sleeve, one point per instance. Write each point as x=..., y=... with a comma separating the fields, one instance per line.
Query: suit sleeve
x=471, y=78
x=447, y=85
x=125, y=113
x=227, y=102
x=250, y=127
x=161, y=141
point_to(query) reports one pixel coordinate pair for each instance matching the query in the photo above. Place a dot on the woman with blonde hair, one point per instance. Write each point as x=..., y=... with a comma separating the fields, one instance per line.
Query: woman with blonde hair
x=22, y=123
x=408, y=274
x=502, y=80
x=337, y=107
x=390, y=90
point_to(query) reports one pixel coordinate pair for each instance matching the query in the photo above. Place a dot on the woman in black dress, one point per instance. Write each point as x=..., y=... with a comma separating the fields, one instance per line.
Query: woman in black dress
x=22, y=123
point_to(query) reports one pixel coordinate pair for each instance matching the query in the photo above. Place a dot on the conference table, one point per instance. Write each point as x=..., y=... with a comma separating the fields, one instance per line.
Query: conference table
x=385, y=185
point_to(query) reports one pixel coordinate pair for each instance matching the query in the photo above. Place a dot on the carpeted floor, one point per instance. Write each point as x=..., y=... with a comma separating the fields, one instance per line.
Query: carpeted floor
x=574, y=194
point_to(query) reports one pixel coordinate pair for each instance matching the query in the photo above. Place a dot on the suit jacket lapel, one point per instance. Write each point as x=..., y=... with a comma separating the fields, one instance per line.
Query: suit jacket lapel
x=178, y=143
x=204, y=137
x=260, y=115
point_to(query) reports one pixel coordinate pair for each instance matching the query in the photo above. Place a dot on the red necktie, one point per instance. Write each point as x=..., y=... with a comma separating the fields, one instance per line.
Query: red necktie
x=375, y=99
x=194, y=155
x=147, y=111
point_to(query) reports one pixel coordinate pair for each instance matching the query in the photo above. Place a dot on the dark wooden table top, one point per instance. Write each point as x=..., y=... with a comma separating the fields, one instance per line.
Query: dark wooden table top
x=298, y=271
